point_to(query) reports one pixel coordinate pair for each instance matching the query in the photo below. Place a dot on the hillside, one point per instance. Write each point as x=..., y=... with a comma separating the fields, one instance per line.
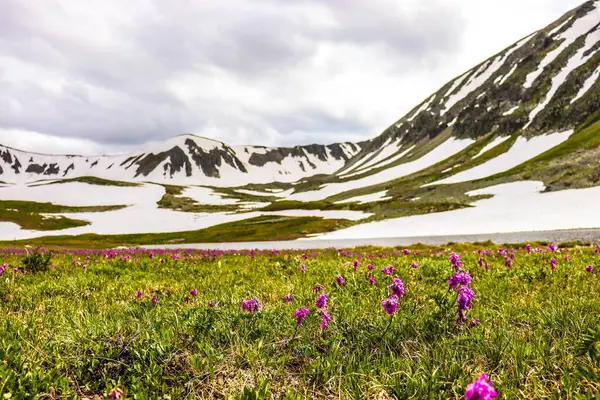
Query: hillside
x=520, y=124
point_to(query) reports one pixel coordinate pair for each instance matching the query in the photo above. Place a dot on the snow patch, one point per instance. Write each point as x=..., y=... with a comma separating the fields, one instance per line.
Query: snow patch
x=367, y=198
x=536, y=211
x=522, y=150
x=587, y=85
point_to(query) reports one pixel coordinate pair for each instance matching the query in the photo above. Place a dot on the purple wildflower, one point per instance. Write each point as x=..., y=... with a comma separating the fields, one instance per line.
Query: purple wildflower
x=480, y=261
x=318, y=287
x=464, y=301
x=370, y=267
x=355, y=265
x=388, y=270
x=186, y=299
x=371, y=279
x=322, y=301
x=589, y=268
x=474, y=323
x=154, y=299
x=340, y=280
x=194, y=292
x=212, y=304
x=528, y=247
x=553, y=264
x=303, y=268
x=461, y=278
x=390, y=304
x=406, y=252
x=397, y=287
x=325, y=319
x=455, y=261
x=552, y=247
x=300, y=314
x=414, y=265
x=251, y=305
x=288, y=298
x=481, y=389
x=508, y=262
x=139, y=294
x=116, y=393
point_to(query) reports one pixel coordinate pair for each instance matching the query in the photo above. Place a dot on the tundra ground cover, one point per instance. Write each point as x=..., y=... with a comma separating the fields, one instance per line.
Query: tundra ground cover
x=363, y=323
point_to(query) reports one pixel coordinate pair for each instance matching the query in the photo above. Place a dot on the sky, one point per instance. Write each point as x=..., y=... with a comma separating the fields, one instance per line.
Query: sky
x=112, y=76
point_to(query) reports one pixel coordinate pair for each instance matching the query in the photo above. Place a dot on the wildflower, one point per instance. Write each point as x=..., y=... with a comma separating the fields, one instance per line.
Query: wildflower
x=300, y=314
x=154, y=299
x=552, y=247
x=186, y=299
x=528, y=247
x=414, y=265
x=406, y=252
x=464, y=301
x=340, y=280
x=212, y=304
x=388, y=270
x=480, y=261
x=355, y=265
x=303, y=268
x=318, y=287
x=116, y=393
x=553, y=264
x=589, y=268
x=322, y=301
x=508, y=262
x=370, y=267
x=288, y=298
x=325, y=319
x=390, y=304
x=194, y=292
x=371, y=279
x=139, y=294
x=455, y=261
x=461, y=278
x=251, y=305
x=397, y=287
x=481, y=389
x=474, y=323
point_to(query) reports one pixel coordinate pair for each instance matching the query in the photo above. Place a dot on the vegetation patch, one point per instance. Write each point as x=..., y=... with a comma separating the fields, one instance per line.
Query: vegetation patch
x=29, y=214
x=368, y=323
x=92, y=180
x=264, y=228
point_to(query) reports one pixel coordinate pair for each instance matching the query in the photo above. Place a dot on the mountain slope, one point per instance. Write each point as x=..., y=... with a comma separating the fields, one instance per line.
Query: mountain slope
x=530, y=112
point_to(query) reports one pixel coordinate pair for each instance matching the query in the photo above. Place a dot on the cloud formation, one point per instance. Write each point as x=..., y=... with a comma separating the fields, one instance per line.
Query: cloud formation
x=120, y=74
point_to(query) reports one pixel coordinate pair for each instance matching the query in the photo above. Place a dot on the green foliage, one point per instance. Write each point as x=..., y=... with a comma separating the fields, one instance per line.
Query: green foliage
x=37, y=261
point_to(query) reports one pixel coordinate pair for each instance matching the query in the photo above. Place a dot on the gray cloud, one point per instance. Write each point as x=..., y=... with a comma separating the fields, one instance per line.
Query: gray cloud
x=244, y=71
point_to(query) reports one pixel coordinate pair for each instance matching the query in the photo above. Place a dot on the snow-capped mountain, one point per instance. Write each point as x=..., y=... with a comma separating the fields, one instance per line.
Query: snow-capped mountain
x=524, y=121
x=185, y=159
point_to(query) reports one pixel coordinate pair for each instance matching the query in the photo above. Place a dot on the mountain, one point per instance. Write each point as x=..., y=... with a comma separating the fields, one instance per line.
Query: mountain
x=185, y=159
x=530, y=113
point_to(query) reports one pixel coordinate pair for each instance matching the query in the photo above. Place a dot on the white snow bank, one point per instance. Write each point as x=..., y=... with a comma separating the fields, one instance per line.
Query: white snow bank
x=492, y=144
x=521, y=151
x=367, y=198
x=512, y=110
x=208, y=196
x=567, y=209
x=445, y=150
x=83, y=194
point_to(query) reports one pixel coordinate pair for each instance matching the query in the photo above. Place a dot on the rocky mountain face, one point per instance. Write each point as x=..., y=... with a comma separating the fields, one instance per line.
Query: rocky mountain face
x=545, y=83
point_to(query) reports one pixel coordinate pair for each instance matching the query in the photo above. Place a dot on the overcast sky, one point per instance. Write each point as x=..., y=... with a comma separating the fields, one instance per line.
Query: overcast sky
x=111, y=75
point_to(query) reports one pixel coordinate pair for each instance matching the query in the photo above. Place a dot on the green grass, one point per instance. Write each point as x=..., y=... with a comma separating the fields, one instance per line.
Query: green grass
x=92, y=180
x=28, y=214
x=70, y=333
x=264, y=228
x=173, y=200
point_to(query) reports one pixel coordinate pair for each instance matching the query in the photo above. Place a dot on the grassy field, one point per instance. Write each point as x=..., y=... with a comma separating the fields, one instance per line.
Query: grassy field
x=155, y=324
